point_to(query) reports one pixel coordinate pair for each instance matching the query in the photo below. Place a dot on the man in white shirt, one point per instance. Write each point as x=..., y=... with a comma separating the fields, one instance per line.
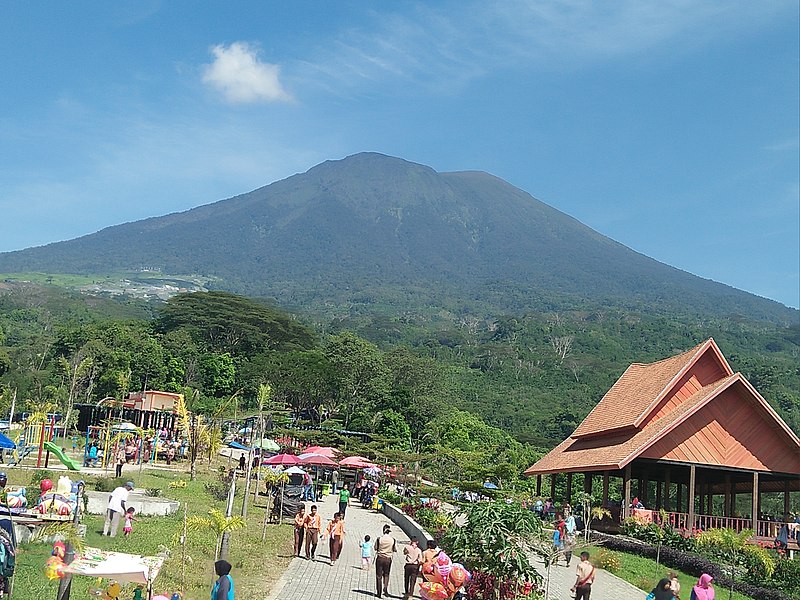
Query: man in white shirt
x=116, y=508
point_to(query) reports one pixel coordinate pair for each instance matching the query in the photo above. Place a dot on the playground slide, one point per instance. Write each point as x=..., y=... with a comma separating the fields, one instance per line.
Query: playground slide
x=68, y=462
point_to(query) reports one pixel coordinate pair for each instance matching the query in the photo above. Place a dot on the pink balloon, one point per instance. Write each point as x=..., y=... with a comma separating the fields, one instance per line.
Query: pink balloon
x=160, y=598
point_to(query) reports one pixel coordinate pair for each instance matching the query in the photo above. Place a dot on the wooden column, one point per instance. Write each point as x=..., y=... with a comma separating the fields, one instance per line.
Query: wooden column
x=786, y=500
x=667, y=505
x=605, y=488
x=645, y=493
x=658, y=494
x=553, y=486
x=710, y=500
x=626, y=485
x=679, y=498
x=539, y=485
x=690, y=498
x=755, y=501
x=569, y=488
x=587, y=482
x=726, y=511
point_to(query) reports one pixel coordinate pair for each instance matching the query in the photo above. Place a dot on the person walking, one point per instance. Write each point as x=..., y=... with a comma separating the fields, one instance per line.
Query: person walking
x=662, y=591
x=313, y=525
x=223, y=588
x=413, y=559
x=299, y=529
x=584, y=578
x=344, y=499
x=335, y=533
x=334, y=480
x=121, y=460
x=703, y=590
x=385, y=547
x=116, y=508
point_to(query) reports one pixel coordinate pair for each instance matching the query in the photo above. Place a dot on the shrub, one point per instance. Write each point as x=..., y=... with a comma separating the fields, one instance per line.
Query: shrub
x=786, y=577
x=153, y=492
x=40, y=475
x=108, y=484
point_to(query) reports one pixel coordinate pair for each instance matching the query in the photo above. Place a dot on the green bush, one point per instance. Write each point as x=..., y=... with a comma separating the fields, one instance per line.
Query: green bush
x=40, y=475
x=608, y=560
x=108, y=484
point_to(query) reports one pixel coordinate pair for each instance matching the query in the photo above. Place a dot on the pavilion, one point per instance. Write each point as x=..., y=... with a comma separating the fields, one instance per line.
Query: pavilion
x=686, y=431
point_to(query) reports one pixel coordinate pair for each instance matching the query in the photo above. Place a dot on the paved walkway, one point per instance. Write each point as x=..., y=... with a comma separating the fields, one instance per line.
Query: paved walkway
x=318, y=580
x=606, y=586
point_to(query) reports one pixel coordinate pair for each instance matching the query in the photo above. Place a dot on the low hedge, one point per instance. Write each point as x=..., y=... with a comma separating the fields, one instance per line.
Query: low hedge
x=690, y=563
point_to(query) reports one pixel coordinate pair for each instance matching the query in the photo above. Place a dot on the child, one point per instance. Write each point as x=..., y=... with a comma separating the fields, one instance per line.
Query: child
x=366, y=553
x=128, y=527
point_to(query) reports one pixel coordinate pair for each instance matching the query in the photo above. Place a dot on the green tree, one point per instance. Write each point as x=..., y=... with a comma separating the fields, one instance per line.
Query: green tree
x=361, y=377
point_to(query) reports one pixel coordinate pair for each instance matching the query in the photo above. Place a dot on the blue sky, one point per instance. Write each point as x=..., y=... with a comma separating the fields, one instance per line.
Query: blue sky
x=671, y=127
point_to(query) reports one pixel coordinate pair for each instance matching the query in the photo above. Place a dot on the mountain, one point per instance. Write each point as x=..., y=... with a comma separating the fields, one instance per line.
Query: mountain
x=380, y=230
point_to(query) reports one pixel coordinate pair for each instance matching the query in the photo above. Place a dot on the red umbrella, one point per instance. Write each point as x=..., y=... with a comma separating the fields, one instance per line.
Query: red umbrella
x=357, y=462
x=327, y=451
x=282, y=459
x=318, y=460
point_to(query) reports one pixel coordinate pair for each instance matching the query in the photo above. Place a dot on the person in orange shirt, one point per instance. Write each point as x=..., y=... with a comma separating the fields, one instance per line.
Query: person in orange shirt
x=313, y=524
x=335, y=533
x=299, y=529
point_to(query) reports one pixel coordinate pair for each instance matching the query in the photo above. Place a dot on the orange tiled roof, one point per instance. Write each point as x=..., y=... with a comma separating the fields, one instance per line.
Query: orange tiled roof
x=613, y=452
x=625, y=404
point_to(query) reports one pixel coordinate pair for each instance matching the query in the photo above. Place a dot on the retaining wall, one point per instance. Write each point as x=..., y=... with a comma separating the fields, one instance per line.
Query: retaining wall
x=409, y=526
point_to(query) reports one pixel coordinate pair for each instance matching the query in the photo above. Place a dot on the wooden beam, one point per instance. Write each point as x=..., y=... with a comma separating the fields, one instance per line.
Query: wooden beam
x=667, y=475
x=587, y=482
x=692, y=476
x=645, y=493
x=786, y=500
x=626, y=484
x=553, y=486
x=539, y=485
x=605, y=488
x=679, y=498
x=726, y=511
x=755, y=501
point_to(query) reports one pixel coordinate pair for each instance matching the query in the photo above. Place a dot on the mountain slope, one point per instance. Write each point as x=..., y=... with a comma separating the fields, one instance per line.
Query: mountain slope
x=382, y=229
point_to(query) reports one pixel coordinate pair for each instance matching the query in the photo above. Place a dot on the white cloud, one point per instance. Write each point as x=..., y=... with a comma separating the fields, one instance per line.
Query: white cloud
x=242, y=78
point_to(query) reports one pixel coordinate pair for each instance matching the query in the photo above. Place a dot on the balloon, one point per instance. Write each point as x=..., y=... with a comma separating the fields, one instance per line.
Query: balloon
x=443, y=559
x=457, y=577
x=54, y=568
x=430, y=573
x=46, y=485
x=113, y=590
x=430, y=590
x=443, y=570
x=160, y=597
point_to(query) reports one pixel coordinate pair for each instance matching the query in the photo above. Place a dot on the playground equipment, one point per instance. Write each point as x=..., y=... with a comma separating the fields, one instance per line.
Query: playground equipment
x=72, y=465
x=35, y=433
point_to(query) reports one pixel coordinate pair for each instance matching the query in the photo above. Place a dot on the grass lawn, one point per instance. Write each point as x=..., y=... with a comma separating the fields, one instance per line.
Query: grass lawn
x=644, y=573
x=256, y=564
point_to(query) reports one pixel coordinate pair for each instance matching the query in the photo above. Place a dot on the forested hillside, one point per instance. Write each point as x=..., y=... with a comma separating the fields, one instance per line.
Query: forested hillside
x=380, y=232
x=534, y=376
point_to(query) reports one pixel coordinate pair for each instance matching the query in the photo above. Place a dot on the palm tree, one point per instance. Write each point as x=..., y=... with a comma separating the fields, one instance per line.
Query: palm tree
x=734, y=545
x=217, y=522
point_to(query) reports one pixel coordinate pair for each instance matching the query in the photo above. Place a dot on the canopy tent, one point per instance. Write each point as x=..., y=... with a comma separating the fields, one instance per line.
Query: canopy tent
x=6, y=443
x=295, y=471
x=238, y=446
x=131, y=568
x=489, y=485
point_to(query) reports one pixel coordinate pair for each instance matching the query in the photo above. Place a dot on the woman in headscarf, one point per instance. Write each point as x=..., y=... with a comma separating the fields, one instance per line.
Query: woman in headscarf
x=703, y=589
x=663, y=591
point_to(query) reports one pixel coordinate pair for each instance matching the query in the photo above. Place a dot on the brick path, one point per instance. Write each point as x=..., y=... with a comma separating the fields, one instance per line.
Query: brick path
x=606, y=586
x=318, y=580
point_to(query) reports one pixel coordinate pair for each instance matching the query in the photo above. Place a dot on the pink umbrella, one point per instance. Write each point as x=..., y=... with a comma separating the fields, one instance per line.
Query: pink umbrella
x=328, y=451
x=282, y=459
x=357, y=462
x=319, y=460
